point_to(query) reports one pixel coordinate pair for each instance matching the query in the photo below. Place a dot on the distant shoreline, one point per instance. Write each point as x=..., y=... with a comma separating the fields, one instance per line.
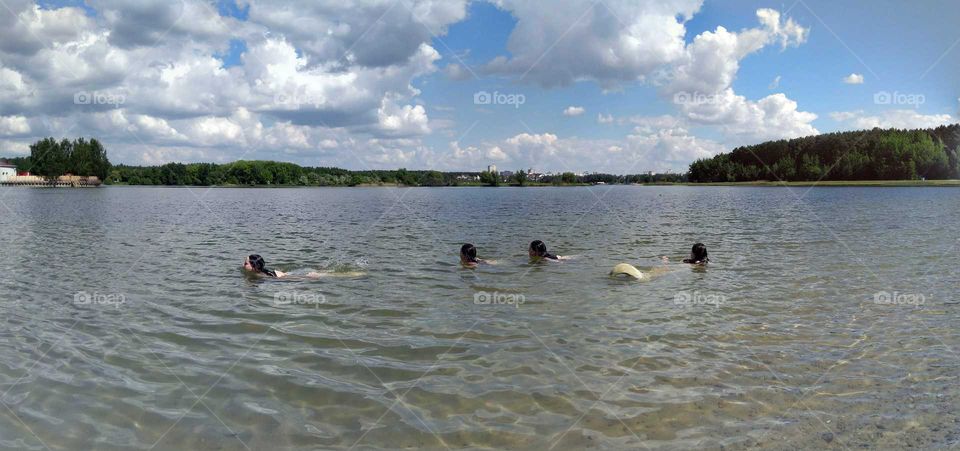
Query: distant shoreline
x=825, y=183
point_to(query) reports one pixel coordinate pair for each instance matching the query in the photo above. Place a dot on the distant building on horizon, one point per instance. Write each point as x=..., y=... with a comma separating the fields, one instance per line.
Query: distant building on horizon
x=7, y=169
x=492, y=168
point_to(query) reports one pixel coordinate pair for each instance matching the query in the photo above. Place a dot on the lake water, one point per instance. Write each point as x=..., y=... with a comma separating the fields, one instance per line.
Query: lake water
x=128, y=324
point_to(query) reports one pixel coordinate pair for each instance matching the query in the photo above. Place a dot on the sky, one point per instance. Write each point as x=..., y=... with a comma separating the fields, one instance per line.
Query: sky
x=617, y=86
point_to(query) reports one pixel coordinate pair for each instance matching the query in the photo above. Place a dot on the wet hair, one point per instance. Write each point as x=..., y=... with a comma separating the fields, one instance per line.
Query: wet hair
x=698, y=254
x=260, y=266
x=469, y=253
x=540, y=249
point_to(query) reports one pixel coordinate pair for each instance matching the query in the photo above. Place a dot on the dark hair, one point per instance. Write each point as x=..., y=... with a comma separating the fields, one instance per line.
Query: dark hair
x=699, y=253
x=260, y=266
x=469, y=252
x=540, y=248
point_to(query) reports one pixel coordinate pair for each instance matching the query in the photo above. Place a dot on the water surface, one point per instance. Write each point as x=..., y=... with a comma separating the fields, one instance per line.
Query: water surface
x=780, y=343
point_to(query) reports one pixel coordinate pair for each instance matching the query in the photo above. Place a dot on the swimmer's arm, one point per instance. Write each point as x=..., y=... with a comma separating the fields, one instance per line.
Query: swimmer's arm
x=488, y=262
x=280, y=274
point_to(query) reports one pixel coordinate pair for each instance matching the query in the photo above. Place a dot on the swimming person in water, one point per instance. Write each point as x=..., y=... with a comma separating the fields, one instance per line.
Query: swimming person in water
x=468, y=257
x=626, y=269
x=538, y=251
x=698, y=255
x=256, y=265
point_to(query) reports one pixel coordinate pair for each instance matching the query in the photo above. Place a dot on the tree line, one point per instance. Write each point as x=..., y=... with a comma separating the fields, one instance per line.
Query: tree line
x=266, y=173
x=877, y=154
x=51, y=158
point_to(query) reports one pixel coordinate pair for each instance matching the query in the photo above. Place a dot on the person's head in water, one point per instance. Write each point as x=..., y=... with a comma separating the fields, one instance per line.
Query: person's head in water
x=468, y=255
x=698, y=255
x=538, y=249
x=256, y=264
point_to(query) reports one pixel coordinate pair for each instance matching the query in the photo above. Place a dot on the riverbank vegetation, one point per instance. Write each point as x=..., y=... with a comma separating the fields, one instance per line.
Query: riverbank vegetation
x=272, y=173
x=876, y=154
x=51, y=158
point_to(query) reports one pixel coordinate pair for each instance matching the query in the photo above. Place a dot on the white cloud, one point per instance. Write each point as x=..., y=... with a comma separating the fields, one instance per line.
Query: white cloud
x=902, y=119
x=337, y=83
x=310, y=74
x=13, y=125
x=701, y=84
x=403, y=121
x=660, y=150
x=853, y=79
x=496, y=153
x=611, y=42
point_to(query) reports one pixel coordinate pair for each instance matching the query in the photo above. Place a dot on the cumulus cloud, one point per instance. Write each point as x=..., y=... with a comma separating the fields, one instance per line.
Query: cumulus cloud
x=610, y=42
x=153, y=73
x=853, y=79
x=13, y=125
x=374, y=33
x=643, y=149
x=338, y=83
x=701, y=83
x=903, y=119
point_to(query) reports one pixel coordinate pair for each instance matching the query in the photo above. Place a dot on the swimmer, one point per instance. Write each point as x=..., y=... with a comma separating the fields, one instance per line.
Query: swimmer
x=468, y=257
x=698, y=255
x=538, y=251
x=255, y=264
x=626, y=269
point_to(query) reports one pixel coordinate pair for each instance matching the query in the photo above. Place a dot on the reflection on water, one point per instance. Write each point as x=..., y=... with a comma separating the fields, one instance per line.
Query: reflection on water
x=827, y=318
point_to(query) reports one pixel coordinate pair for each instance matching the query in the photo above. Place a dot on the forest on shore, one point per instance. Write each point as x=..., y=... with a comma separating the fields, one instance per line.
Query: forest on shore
x=877, y=154
x=51, y=158
x=273, y=173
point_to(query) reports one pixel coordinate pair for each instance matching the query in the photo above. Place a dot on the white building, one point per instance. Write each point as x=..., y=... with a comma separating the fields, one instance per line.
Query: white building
x=492, y=168
x=7, y=170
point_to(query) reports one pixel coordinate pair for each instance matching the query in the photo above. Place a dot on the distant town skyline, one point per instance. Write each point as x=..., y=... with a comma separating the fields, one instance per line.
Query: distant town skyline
x=613, y=86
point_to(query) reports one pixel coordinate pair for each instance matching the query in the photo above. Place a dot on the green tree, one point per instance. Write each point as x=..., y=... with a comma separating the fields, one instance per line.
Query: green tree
x=520, y=178
x=490, y=178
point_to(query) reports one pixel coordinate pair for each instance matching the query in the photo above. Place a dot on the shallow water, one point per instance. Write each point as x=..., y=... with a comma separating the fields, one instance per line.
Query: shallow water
x=128, y=323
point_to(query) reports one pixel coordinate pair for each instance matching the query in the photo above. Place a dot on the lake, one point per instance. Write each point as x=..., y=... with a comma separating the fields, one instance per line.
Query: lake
x=827, y=318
